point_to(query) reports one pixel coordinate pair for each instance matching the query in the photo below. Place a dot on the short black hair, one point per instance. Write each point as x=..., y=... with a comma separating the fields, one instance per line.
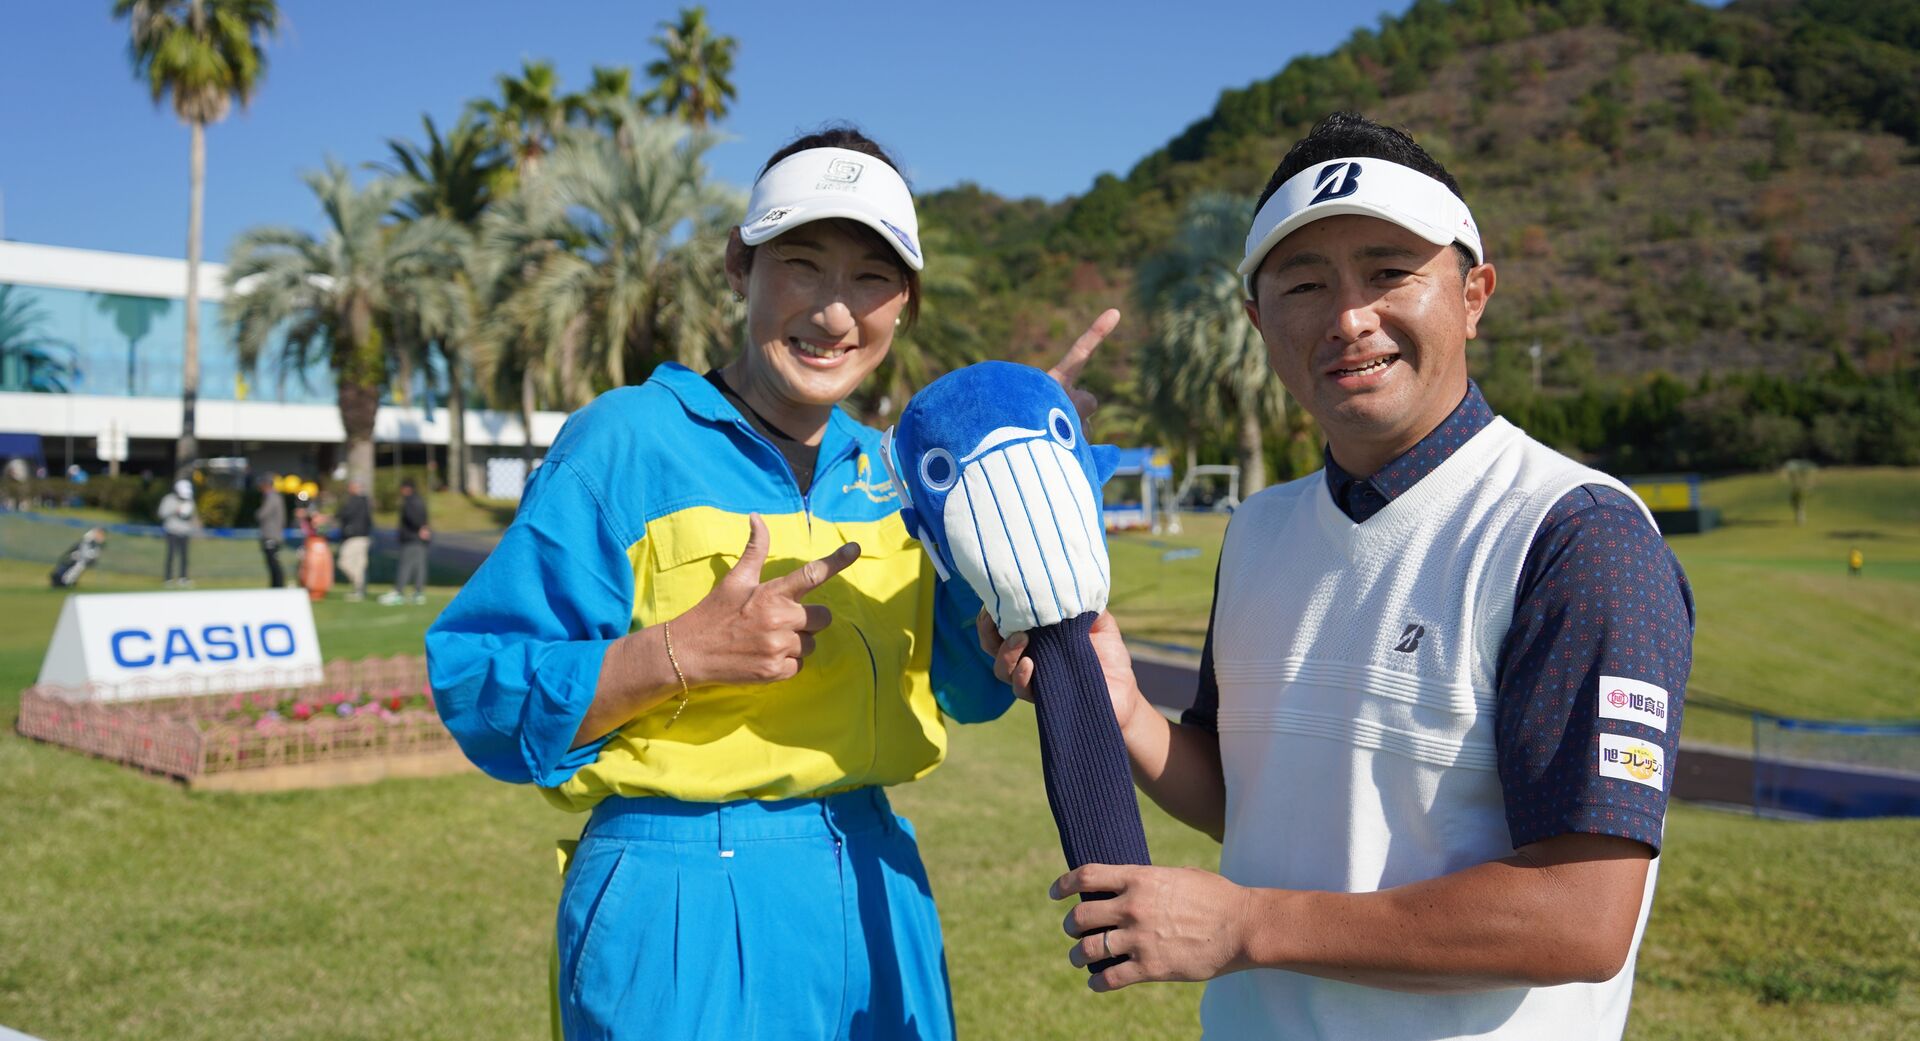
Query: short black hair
x=853, y=139
x=1350, y=135
x=406, y=484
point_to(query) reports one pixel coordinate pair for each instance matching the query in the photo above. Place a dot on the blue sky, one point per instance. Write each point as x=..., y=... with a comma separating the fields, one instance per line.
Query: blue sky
x=1024, y=98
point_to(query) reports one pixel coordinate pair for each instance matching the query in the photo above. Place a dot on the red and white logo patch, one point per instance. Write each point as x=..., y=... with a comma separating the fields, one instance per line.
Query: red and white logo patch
x=1635, y=701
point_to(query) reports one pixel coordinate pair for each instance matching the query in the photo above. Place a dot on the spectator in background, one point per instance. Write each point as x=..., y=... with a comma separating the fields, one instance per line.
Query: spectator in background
x=78, y=558
x=17, y=495
x=356, y=536
x=414, y=536
x=316, y=557
x=178, y=521
x=271, y=518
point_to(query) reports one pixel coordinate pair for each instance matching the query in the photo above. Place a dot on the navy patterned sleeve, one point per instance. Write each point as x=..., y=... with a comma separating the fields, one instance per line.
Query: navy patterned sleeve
x=1592, y=675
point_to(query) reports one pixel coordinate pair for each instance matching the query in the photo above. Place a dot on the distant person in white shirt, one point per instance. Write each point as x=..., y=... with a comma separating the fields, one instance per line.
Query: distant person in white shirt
x=178, y=521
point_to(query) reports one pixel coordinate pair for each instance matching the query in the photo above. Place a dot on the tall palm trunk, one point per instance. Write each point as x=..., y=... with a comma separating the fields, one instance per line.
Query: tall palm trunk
x=1253, y=462
x=189, y=447
x=359, y=404
x=456, y=419
x=359, y=385
x=526, y=419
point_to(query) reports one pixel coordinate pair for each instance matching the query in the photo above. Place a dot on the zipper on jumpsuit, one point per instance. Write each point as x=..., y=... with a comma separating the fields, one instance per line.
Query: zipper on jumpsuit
x=821, y=465
x=850, y=917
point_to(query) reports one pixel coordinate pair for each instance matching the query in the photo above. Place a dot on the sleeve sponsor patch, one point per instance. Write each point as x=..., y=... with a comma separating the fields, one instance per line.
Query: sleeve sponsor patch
x=1632, y=759
x=1635, y=701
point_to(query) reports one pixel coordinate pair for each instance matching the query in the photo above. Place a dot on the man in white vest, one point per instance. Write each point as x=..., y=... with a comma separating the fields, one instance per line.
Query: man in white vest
x=1441, y=688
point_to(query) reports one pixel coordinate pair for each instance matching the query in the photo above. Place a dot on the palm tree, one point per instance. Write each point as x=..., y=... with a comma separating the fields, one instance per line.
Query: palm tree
x=603, y=102
x=611, y=263
x=942, y=339
x=207, y=55
x=30, y=359
x=133, y=318
x=457, y=179
x=336, y=295
x=692, y=77
x=528, y=116
x=1203, y=358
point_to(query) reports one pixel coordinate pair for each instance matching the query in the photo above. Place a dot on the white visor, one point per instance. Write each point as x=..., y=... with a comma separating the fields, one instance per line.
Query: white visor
x=1369, y=187
x=822, y=183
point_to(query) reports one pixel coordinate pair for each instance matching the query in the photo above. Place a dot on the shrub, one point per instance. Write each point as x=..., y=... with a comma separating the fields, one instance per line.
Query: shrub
x=386, y=485
x=219, y=507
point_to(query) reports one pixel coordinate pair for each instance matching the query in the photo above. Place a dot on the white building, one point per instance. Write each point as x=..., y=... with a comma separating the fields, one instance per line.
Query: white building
x=91, y=347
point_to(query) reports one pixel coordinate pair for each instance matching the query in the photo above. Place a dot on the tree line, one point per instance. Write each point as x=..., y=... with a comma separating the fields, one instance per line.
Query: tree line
x=550, y=245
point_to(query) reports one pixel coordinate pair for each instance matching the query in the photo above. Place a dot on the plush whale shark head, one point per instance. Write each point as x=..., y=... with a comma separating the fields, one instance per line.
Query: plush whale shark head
x=997, y=481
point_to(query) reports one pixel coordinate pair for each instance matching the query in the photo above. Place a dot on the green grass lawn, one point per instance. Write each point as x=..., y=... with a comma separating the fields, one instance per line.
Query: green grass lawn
x=1780, y=625
x=421, y=909
x=446, y=510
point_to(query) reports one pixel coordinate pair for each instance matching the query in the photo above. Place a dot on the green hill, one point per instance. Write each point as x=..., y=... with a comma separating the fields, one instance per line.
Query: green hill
x=1666, y=188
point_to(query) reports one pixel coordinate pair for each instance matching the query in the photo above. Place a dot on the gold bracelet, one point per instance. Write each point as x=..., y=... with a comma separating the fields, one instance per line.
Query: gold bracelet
x=666, y=630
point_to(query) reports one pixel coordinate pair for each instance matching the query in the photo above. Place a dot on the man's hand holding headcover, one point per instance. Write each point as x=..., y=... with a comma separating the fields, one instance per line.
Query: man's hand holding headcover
x=998, y=482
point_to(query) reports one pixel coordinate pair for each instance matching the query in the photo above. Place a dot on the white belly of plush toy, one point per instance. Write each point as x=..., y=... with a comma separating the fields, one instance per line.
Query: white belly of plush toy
x=1038, y=575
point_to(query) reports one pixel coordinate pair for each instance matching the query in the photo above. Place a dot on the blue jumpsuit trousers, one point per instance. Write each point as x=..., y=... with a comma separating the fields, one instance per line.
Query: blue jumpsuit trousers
x=796, y=918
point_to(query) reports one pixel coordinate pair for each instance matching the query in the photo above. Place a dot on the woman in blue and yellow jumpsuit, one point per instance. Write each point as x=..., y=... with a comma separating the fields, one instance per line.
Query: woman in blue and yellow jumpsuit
x=626, y=650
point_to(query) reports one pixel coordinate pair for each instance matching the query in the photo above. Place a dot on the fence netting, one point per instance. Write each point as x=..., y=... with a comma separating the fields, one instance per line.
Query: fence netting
x=1824, y=768
x=132, y=549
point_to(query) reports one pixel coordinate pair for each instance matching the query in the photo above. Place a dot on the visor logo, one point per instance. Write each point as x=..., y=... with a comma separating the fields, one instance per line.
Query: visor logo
x=905, y=240
x=776, y=215
x=845, y=171
x=1336, y=181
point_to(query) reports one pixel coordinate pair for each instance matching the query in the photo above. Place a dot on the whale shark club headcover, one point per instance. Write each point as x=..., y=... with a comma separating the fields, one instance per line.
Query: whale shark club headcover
x=1000, y=486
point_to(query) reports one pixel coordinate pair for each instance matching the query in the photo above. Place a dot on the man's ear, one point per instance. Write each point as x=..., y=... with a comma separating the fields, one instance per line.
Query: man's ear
x=1479, y=289
x=1253, y=313
x=739, y=262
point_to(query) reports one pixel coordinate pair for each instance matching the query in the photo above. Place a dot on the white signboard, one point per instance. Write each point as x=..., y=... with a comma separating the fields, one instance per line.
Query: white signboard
x=138, y=645
x=110, y=446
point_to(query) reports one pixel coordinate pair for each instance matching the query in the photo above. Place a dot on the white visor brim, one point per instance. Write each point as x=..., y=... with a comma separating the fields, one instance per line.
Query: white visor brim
x=824, y=183
x=1368, y=187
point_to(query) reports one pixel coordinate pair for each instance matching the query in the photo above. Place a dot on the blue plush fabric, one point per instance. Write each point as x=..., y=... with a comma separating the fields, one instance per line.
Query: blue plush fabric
x=1000, y=485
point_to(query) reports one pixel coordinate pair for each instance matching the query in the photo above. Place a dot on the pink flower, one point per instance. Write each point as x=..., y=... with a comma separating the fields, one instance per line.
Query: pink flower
x=302, y=711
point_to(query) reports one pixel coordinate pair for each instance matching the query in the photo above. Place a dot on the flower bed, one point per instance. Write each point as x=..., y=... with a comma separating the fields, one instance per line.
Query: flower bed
x=372, y=708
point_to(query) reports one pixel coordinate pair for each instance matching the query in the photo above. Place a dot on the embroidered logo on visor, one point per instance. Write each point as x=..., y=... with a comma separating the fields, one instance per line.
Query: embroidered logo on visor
x=902, y=236
x=775, y=215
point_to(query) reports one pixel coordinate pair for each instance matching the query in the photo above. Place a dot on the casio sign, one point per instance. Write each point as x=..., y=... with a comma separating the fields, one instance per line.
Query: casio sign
x=120, y=646
x=142, y=648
